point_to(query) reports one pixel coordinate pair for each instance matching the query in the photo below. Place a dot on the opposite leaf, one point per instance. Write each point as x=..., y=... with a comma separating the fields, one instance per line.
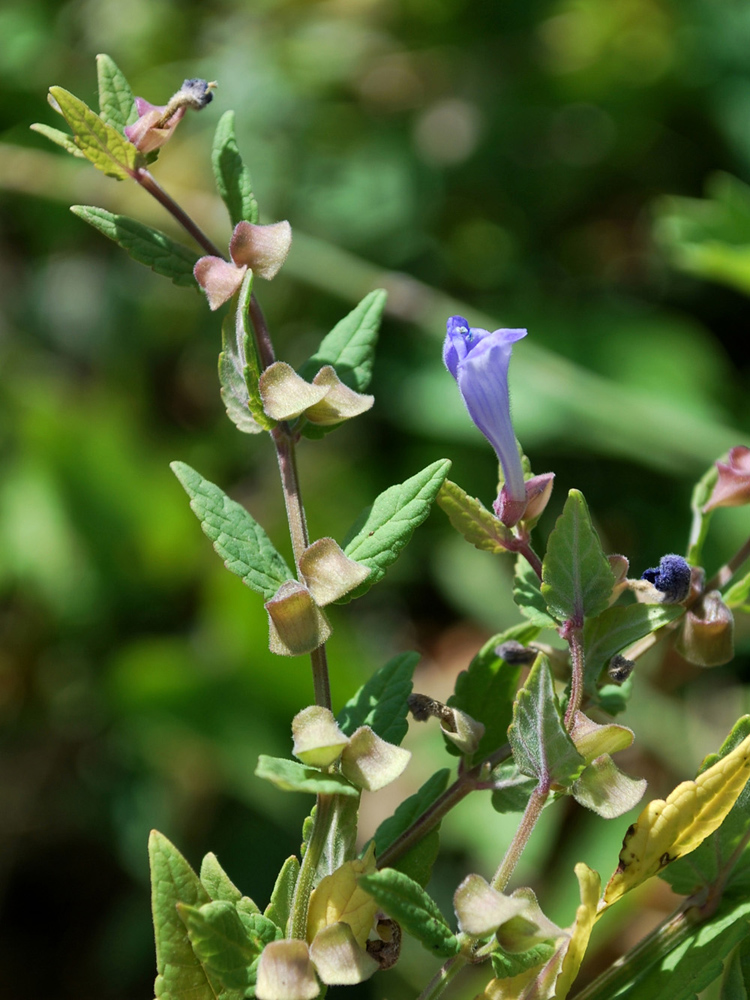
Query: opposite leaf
x=618, y=627
x=350, y=346
x=232, y=176
x=293, y=777
x=471, y=518
x=221, y=945
x=577, y=578
x=408, y=903
x=244, y=546
x=116, y=102
x=280, y=905
x=527, y=593
x=100, y=143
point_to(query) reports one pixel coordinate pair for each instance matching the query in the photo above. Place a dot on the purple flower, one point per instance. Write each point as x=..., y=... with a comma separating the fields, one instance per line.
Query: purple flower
x=671, y=577
x=478, y=360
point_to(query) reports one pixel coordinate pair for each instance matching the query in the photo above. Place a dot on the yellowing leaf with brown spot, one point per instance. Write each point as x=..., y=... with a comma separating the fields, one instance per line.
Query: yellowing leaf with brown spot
x=668, y=829
x=339, y=898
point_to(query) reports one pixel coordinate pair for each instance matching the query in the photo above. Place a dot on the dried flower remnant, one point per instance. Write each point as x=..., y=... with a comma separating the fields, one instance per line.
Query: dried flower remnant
x=671, y=578
x=157, y=122
x=733, y=485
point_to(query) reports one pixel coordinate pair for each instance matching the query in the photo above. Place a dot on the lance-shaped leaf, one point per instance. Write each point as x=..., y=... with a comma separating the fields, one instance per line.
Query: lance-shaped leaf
x=217, y=883
x=173, y=881
x=244, y=546
x=541, y=747
x=471, y=518
x=280, y=905
x=350, y=346
x=577, y=578
x=340, y=898
x=487, y=689
x=408, y=903
x=668, y=829
x=232, y=176
x=293, y=777
x=527, y=593
x=382, y=703
x=100, y=143
x=720, y=859
x=62, y=139
x=116, y=102
x=391, y=521
x=146, y=245
x=615, y=629
x=221, y=945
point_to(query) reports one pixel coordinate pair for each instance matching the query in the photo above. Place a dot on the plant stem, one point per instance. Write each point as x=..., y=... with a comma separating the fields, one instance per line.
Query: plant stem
x=297, y=926
x=528, y=821
x=442, y=977
x=148, y=183
x=727, y=571
x=576, y=680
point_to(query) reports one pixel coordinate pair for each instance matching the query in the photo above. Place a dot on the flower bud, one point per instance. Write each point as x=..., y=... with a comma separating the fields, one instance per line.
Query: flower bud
x=285, y=972
x=619, y=566
x=370, y=762
x=328, y=573
x=338, y=959
x=318, y=741
x=732, y=488
x=706, y=638
x=296, y=625
x=462, y=730
x=261, y=248
x=538, y=492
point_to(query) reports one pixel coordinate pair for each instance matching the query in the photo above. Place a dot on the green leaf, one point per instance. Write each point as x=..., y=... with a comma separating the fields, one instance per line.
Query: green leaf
x=116, y=102
x=738, y=595
x=486, y=691
x=232, y=176
x=59, y=138
x=146, y=245
x=505, y=964
x=218, y=884
x=471, y=519
x=391, y=521
x=407, y=902
x=736, y=983
x=259, y=929
x=381, y=703
x=700, y=497
x=280, y=906
x=173, y=881
x=708, y=864
x=527, y=593
x=695, y=963
x=221, y=945
x=542, y=748
x=417, y=862
x=613, y=698
x=618, y=627
x=514, y=789
x=244, y=546
x=102, y=145
x=577, y=579
x=291, y=776
x=239, y=368
x=350, y=346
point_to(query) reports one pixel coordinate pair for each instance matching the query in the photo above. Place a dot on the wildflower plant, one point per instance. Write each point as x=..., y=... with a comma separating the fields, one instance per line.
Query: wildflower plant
x=529, y=722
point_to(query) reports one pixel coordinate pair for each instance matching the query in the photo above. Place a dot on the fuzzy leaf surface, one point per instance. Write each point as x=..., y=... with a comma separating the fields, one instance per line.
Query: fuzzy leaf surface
x=116, y=102
x=407, y=902
x=618, y=627
x=470, y=518
x=100, y=143
x=350, y=346
x=173, y=881
x=291, y=776
x=381, y=703
x=391, y=521
x=216, y=882
x=577, y=580
x=232, y=176
x=146, y=245
x=527, y=593
x=280, y=906
x=542, y=748
x=417, y=862
x=221, y=945
x=244, y=546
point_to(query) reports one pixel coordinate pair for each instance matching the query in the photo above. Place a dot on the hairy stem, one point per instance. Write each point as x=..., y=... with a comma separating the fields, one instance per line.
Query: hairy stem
x=148, y=183
x=442, y=977
x=576, y=680
x=324, y=812
x=528, y=821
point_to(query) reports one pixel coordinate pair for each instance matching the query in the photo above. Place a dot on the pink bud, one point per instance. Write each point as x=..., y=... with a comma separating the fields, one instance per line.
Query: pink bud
x=733, y=486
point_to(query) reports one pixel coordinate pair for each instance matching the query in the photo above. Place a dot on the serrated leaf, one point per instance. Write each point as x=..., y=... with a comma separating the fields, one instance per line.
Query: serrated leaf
x=146, y=245
x=577, y=580
x=350, y=346
x=487, y=689
x=173, y=881
x=418, y=860
x=244, y=546
x=736, y=982
x=221, y=945
x=505, y=964
x=618, y=627
x=381, y=703
x=232, y=176
x=407, y=903
x=527, y=593
x=668, y=829
x=102, y=145
x=716, y=861
x=116, y=102
x=542, y=748
x=216, y=882
x=515, y=788
x=470, y=518
x=293, y=777
x=391, y=521
x=59, y=138
x=738, y=595
x=280, y=906
x=259, y=929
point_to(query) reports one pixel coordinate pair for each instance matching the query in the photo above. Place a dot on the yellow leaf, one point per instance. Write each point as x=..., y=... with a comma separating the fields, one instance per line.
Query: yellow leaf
x=339, y=898
x=590, y=886
x=668, y=829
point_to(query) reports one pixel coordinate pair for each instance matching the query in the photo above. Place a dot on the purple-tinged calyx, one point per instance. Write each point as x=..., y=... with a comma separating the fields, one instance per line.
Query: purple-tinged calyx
x=156, y=122
x=478, y=360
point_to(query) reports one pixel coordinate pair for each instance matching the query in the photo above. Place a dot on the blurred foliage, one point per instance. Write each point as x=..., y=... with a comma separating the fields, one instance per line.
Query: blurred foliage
x=507, y=154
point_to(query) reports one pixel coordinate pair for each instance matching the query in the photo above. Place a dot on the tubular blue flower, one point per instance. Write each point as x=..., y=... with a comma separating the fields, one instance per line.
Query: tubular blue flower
x=479, y=360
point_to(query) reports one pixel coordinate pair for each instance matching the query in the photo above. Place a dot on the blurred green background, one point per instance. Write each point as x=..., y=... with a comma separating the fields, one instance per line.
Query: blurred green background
x=502, y=159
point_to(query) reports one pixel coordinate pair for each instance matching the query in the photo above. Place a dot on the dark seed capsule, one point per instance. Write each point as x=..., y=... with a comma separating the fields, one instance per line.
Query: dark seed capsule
x=514, y=653
x=620, y=669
